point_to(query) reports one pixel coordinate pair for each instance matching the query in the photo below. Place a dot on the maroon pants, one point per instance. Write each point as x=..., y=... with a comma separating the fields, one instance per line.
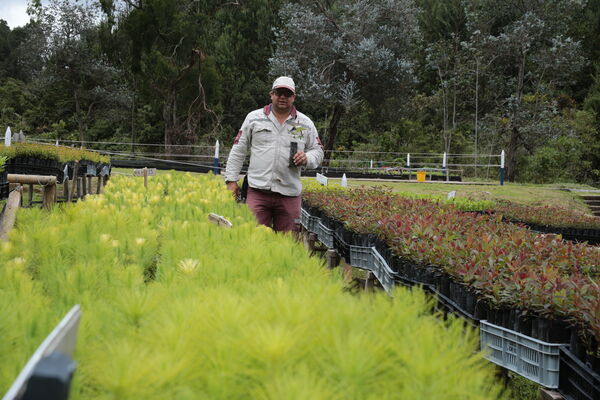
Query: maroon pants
x=274, y=210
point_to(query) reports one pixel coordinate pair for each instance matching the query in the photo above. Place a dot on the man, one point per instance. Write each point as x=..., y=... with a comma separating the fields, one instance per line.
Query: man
x=281, y=141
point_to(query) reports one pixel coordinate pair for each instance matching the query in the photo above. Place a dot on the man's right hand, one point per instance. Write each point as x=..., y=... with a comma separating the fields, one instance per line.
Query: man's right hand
x=233, y=186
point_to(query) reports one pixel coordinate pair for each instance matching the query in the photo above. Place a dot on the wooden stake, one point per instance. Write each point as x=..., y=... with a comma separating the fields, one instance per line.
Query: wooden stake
x=30, y=186
x=79, y=196
x=83, y=187
x=312, y=240
x=369, y=281
x=49, y=196
x=73, y=185
x=10, y=212
x=89, y=185
x=547, y=394
x=348, y=275
x=333, y=259
x=98, y=184
x=145, y=177
x=66, y=190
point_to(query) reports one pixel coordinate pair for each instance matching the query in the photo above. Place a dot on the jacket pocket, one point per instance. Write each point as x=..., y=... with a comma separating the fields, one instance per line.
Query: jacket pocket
x=262, y=136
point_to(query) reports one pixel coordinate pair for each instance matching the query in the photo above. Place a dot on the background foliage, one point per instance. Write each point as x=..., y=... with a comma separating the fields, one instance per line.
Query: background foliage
x=472, y=77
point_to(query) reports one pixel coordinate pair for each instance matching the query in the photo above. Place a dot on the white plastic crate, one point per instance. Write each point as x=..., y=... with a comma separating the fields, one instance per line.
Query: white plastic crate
x=325, y=235
x=361, y=257
x=304, y=215
x=313, y=224
x=382, y=271
x=535, y=360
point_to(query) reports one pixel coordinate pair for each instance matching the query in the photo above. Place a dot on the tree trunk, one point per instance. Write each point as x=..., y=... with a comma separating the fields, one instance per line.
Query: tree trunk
x=80, y=122
x=170, y=120
x=133, y=116
x=338, y=111
x=511, y=154
x=476, y=106
x=515, y=134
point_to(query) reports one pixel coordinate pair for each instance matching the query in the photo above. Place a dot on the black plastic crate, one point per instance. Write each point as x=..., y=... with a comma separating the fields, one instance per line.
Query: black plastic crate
x=4, y=190
x=577, y=381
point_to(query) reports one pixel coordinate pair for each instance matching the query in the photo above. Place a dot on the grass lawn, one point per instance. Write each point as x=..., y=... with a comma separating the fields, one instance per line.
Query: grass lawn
x=554, y=195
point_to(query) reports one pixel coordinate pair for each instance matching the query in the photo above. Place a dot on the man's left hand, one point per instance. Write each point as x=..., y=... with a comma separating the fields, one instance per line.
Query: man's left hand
x=300, y=158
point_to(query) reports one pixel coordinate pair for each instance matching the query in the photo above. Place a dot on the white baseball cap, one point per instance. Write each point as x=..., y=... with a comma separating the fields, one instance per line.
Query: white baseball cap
x=284, y=82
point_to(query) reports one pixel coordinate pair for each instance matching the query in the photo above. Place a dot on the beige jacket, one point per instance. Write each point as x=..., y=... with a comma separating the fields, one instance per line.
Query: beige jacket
x=269, y=144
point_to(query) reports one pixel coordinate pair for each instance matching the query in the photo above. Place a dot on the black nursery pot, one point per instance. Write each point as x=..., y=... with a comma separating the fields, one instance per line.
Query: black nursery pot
x=445, y=285
x=506, y=322
x=482, y=310
x=551, y=330
x=524, y=323
x=400, y=265
x=470, y=301
x=427, y=274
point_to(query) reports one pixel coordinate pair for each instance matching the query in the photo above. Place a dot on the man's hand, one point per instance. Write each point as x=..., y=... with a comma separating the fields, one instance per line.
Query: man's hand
x=300, y=158
x=233, y=186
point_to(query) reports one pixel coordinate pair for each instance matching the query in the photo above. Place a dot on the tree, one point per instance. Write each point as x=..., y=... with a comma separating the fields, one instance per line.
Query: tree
x=69, y=74
x=536, y=58
x=341, y=52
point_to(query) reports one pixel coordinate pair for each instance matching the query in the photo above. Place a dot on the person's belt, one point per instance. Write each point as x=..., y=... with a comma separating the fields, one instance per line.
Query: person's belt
x=269, y=191
x=265, y=191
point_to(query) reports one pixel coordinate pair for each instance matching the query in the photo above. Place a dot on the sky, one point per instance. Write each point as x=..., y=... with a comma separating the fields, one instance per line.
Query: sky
x=14, y=12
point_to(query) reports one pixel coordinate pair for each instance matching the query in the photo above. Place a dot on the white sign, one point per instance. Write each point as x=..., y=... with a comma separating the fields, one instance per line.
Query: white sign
x=7, y=137
x=322, y=179
x=451, y=195
x=140, y=172
x=344, y=181
x=219, y=220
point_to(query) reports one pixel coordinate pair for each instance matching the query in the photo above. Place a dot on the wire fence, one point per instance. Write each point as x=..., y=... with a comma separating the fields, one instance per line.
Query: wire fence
x=486, y=166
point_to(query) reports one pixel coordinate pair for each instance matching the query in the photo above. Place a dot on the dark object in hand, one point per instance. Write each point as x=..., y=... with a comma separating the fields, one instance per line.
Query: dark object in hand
x=293, y=151
x=244, y=190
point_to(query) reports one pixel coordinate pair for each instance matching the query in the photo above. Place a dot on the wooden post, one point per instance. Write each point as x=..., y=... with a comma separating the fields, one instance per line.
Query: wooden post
x=89, y=185
x=548, y=394
x=83, y=187
x=98, y=184
x=73, y=185
x=369, y=281
x=145, y=177
x=310, y=241
x=333, y=259
x=10, y=212
x=347, y=272
x=49, y=196
x=79, y=196
x=66, y=189
x=49, y=183
x=30, y=186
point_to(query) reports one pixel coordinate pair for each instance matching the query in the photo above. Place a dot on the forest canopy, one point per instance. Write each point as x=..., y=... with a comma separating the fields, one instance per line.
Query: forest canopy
x=419, y=76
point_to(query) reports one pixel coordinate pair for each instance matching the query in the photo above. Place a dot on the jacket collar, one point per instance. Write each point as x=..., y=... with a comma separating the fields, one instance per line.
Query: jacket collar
x=269, y=107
